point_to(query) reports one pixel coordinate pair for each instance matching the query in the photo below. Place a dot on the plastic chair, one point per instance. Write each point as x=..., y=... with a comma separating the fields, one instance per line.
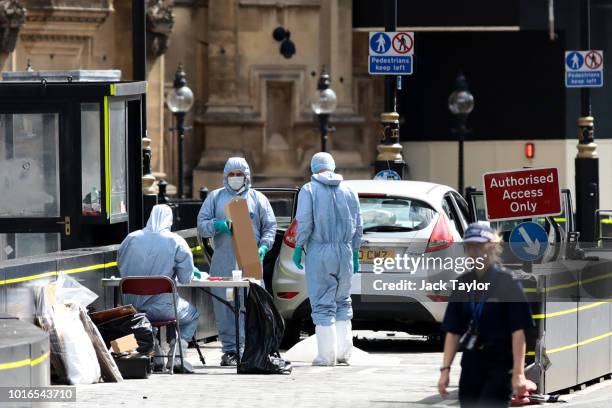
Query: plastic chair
x=151, y=286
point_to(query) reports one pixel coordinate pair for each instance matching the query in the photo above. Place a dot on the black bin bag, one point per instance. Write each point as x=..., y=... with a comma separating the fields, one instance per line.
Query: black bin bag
x=264, y=328
x=136, y=324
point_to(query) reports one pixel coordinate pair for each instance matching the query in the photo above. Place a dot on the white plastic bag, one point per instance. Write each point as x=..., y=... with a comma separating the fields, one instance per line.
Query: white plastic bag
x=78, y=353
x=69, y=290
x=73, y=356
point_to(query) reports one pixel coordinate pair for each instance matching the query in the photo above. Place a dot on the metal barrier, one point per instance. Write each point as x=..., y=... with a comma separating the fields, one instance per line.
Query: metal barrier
x=24, y=354
x=20, y=278
x=574, y=321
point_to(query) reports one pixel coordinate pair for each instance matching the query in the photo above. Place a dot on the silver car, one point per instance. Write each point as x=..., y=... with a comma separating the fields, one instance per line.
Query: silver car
x=400, y=217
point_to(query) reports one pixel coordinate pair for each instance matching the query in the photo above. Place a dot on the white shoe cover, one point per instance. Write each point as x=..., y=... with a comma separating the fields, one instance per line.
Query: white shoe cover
x=158, y=360
x=326, y=343
x=177, y=357
x=344, y=336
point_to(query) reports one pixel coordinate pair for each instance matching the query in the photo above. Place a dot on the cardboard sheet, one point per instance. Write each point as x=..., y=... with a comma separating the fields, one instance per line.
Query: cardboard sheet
x=124, y=344
x=243, y=237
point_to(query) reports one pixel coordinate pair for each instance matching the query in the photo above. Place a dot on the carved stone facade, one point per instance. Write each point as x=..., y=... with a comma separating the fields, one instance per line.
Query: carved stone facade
x=250, y=99
x=59, y=34
x=258, y=102
x=159, y=26
x=12, y=17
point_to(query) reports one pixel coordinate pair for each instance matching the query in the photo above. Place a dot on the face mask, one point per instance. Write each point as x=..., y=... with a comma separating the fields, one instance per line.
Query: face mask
x=235, y=183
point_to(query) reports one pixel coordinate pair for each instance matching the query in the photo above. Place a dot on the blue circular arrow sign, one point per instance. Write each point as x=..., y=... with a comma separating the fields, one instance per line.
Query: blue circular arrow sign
x=528, y=241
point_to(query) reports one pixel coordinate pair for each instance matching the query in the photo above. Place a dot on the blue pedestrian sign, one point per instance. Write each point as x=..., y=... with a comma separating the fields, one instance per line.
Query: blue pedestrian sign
x=584, y=69
x=387, y=175
x=391, y=53
x=528, y=241
x=380, y=43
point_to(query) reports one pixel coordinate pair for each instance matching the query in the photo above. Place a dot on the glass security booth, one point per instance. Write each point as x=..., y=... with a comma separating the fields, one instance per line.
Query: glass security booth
x=70, y=160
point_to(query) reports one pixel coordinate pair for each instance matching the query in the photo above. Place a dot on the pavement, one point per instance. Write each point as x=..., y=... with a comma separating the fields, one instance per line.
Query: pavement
x=394, y=370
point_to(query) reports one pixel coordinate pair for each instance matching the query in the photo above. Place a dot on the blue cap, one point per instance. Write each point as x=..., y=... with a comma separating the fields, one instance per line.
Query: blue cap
x=479, y=232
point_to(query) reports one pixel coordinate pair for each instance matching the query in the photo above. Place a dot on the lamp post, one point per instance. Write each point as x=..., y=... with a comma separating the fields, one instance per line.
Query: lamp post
x=179, y=101
x=587, y=159
x=390, y=163
x=461, y=104
x=324, y=104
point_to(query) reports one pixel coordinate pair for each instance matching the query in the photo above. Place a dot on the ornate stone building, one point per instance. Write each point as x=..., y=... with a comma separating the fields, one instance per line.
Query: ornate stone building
x=255, y=102
x=250, y=99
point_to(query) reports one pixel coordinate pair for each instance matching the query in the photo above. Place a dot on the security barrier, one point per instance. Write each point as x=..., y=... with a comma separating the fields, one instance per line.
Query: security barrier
x=24, y=354
x=574, y=321
x=20, y=278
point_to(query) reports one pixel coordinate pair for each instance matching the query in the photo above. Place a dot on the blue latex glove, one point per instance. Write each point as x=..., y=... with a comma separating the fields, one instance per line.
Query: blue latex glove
x=197, y=274
x=297, y=257
x=263, y=250
x=222, y=227
x=355, y=260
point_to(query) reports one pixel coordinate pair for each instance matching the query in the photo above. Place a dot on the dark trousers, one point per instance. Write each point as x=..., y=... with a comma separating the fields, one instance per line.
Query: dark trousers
x=485, y=386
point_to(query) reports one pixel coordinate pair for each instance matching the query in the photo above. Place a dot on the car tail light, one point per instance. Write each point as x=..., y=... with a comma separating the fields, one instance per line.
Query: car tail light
x=287, y=295
x=291, y=234
x=441, y=236
x=438, y=298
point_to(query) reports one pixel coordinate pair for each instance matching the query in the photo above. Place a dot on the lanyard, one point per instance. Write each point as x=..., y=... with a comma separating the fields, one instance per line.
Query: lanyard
x=477, y=308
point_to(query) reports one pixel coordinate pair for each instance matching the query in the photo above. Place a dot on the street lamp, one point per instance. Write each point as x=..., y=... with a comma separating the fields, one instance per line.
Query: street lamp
x=324, y=104
x=461, y=104
x=179, y=101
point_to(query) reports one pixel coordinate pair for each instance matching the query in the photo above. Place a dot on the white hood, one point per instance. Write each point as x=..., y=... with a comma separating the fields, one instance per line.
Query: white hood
x=160, y=219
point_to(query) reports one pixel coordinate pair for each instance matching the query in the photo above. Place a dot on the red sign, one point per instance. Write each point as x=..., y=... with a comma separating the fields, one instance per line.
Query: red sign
x=593, y=59
x=522, y=193
x=402, y=43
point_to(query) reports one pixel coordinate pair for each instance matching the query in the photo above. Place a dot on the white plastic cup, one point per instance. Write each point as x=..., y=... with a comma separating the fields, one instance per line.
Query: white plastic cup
x=237, y=275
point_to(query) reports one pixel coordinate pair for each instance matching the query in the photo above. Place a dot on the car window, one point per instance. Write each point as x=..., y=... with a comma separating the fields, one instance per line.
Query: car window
x=282, y=203
x=478, y=204
x=449, y=210
x=395, y=212
x=462, y=210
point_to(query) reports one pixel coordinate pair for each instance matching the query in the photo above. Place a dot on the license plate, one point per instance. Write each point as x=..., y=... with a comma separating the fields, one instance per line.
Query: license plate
x=367, y=255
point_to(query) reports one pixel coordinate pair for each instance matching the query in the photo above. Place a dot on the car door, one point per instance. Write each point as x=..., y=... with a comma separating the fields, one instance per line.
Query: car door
x=461, y=209
x=284, y=205
x=451, y=212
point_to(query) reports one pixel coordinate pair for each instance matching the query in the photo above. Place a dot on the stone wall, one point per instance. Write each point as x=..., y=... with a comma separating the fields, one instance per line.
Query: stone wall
x=257, y=103
x=250, y=99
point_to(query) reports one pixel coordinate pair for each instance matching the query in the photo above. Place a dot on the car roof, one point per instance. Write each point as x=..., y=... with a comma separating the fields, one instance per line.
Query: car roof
x=420, y=190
